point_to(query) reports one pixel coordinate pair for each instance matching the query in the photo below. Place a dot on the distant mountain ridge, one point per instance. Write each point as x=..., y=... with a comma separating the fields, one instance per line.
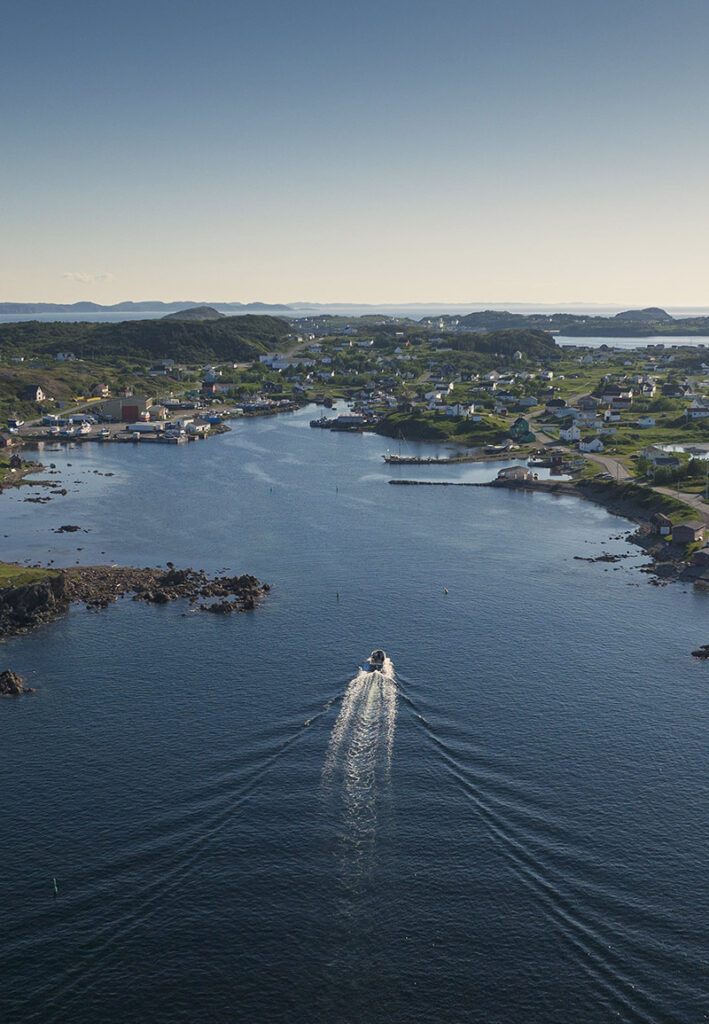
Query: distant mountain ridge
x=9, y=308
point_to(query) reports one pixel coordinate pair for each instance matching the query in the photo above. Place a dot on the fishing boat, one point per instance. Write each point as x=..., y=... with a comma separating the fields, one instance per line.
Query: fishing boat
x=375, y=662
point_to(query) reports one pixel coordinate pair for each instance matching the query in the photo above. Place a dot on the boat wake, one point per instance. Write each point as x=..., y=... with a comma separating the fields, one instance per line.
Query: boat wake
x=356, y=775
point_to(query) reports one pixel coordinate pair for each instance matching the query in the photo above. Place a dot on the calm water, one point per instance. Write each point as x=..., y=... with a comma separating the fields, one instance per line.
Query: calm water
x=684, y=340
x=509, y=825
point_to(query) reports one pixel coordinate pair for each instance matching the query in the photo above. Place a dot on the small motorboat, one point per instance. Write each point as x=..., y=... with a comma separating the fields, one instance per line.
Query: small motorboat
x=375, y=662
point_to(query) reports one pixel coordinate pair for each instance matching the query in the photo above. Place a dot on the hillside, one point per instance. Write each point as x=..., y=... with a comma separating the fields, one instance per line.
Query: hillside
x=196, y=313
x=228, y=338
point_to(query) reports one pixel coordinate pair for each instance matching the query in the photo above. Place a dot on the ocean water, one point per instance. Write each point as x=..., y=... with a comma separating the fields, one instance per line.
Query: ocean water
x=507, y=824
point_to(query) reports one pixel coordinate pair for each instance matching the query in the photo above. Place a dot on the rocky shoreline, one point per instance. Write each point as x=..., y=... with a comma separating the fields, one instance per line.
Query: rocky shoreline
x=22, y=608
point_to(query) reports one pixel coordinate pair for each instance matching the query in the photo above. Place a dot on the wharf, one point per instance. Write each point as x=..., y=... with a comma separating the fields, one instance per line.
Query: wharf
x=450, y=460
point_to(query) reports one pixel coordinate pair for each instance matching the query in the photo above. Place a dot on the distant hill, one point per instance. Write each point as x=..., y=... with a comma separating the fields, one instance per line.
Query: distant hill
x=228, y=338
x=148, y=306
x=196, y=313
x=653, y=314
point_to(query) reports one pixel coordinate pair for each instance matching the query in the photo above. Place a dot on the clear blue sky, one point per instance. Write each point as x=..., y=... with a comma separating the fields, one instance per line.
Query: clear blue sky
x=392, y=151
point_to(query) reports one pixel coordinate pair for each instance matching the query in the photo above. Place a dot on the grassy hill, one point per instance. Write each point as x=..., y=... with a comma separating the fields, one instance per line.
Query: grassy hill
x=228, y=338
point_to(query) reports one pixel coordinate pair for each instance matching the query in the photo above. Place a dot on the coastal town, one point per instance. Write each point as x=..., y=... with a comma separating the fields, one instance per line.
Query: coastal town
x=627, y=427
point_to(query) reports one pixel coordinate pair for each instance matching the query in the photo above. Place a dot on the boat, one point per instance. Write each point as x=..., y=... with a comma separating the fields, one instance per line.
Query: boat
x=375, y=662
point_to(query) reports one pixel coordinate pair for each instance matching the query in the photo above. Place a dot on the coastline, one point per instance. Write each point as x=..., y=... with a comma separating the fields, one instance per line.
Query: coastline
x=669, y=561
x=31, y=597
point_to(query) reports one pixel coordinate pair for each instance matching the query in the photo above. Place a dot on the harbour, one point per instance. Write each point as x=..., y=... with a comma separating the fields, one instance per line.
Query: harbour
x=174, y=799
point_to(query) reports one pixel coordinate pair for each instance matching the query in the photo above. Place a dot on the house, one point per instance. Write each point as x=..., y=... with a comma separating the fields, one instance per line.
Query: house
x=571, y=433
x=688, y=532
x=699, y=409
x=701, y=557
x=100, y=391
x=588, y=403
x=673, y=389
x=15, y=462
x=5, y=440
x=527, y=402
x=658, y=457
x=611, y=416
x=65, y=357
x=591, y=444
x=459, y=409
x=517, y=474
x=554, y=404
x=661, y=524
x=519, y=431
x=646, y=421
x=34, y=393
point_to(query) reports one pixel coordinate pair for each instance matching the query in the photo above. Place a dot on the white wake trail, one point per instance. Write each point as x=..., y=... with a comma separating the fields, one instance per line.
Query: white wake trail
x=358, y=762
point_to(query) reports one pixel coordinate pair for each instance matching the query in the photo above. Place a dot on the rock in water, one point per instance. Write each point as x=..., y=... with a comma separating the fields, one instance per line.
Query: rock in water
x=11, y=684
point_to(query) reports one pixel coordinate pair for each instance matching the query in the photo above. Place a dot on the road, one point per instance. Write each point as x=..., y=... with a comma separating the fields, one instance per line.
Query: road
x=697, y=501
x=614, y=467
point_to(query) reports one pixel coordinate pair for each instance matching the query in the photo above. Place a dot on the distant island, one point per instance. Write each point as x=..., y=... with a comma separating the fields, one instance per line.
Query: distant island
x=630, y=323
x=196, y=313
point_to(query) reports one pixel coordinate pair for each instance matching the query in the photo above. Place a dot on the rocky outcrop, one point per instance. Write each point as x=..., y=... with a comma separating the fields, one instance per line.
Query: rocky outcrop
x=22, y=608
x=98, y=585
x=11, y=685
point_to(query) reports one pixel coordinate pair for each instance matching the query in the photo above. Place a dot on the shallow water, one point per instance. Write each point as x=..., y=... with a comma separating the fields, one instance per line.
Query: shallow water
x=510, y=824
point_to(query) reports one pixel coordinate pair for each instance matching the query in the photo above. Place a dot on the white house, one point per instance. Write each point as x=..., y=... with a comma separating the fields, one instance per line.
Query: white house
x=699, y=408
x=591, y=444
x=646, y=421
x=571, y=433
x=459, y=409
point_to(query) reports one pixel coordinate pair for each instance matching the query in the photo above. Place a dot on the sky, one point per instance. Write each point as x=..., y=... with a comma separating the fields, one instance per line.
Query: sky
x=383, y=151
